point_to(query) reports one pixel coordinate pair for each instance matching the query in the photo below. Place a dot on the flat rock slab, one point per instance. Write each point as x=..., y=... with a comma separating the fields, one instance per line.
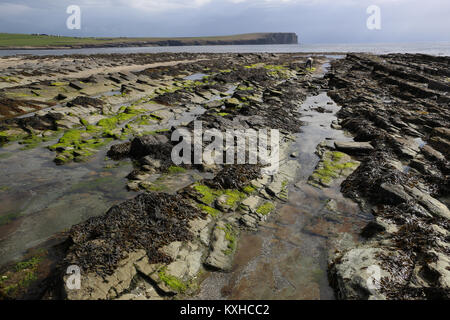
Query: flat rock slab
x=442, y=132
x=221, y=255
x=434, y=206
x=354, y=147
x=77, y=85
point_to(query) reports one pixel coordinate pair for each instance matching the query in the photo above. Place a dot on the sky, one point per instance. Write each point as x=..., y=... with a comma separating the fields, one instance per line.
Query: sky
x=314, y=21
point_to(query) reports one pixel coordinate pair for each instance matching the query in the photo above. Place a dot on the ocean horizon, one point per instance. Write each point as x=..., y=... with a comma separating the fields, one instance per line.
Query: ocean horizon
x=431, y=48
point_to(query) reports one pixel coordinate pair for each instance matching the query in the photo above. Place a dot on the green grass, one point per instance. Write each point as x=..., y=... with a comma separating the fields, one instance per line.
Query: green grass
x=27, y=40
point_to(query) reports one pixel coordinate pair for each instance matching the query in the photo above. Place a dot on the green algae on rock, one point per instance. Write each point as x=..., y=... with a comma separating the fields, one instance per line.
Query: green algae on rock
x=175, y=170
x=206, y=194
x=266, y=208
x=211, y=211
x=332, y=166
x=33, y=141
x=248, y=189
x=15, y=279
x=228, y=198
x=231, y=237
x=10, y=217
x=172, y=281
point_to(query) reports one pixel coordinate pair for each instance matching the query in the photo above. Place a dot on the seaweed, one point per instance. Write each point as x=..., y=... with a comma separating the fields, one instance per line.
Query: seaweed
x=149, y=221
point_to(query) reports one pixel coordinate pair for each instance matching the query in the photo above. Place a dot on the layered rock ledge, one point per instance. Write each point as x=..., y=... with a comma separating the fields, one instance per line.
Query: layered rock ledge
x=397, y=106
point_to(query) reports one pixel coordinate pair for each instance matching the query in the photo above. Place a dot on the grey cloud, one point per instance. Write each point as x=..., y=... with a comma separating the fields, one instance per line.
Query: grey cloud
x=321, y=21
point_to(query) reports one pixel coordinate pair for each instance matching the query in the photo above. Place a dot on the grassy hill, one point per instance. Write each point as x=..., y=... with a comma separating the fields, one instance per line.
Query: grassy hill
x=10, y=40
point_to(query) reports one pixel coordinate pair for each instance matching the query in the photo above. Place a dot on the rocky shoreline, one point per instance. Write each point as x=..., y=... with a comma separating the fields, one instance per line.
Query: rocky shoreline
x=398, y=104
x=186, y=220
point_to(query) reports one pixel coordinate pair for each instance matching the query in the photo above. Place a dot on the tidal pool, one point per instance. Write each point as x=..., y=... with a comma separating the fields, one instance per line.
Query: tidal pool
x=287, y=257
x=39, y=198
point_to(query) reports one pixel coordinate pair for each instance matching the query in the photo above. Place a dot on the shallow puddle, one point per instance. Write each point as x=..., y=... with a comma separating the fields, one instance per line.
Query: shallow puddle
x=195, y=76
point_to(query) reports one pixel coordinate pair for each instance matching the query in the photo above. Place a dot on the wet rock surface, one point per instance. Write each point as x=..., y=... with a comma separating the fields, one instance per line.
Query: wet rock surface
x=155, y=245
x=284, y=255
x=398, y=103
x=135, y=225
x=194, y=220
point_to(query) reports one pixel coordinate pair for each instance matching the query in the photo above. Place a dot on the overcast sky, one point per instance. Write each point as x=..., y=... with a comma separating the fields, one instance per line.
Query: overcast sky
x=315, y=21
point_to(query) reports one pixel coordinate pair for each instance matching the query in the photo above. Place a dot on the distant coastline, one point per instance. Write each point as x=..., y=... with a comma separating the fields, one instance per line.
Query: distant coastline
x=46, y=42
x=331, y=49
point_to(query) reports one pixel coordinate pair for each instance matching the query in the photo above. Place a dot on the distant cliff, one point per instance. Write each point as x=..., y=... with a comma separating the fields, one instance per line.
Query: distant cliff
x=42, y=41
x=281, y=38
x=245, y=39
